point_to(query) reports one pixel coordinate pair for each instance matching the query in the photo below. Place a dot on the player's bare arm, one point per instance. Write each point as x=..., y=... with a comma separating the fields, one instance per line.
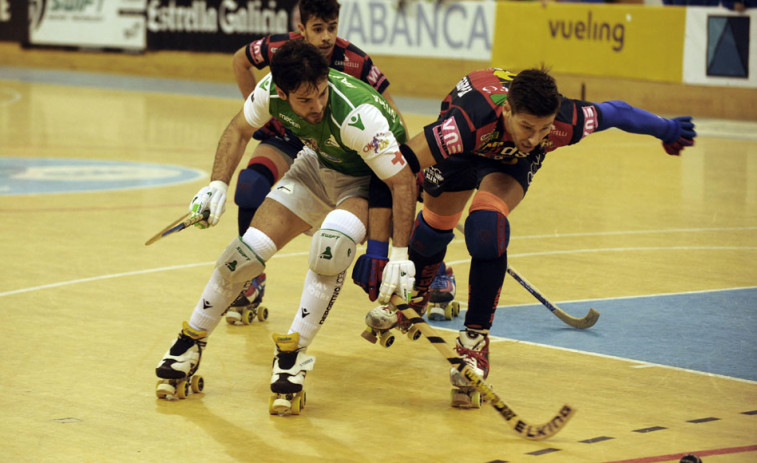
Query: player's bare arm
x=231, y=148
x=243, y=72
x=402, y=185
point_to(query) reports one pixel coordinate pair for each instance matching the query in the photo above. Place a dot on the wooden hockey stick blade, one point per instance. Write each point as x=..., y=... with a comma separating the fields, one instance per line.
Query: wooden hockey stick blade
x=521, y=427
x=582, y=323
x=179, y=224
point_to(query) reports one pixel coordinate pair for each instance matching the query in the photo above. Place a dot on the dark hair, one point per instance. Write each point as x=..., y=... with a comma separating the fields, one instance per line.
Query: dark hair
x=534, y=91
x=298, y=63
x=323, y=9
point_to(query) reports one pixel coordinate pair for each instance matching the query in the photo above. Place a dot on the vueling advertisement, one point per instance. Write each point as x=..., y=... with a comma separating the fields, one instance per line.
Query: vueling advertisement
x=632, y=41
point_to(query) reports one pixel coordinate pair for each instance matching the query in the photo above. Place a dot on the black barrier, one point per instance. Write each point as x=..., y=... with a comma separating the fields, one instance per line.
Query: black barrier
x=216, y=25
x=14, y=20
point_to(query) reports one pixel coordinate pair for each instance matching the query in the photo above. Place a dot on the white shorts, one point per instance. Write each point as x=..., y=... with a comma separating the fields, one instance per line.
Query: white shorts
x=311, y=191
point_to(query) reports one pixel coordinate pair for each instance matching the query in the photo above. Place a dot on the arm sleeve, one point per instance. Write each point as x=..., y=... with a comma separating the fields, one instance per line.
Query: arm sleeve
x=256, y=106
x=623, y=116
x=375, y=142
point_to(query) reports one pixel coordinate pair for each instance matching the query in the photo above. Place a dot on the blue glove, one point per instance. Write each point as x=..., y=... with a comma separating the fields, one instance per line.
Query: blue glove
x=369, y=268
x=680, y=135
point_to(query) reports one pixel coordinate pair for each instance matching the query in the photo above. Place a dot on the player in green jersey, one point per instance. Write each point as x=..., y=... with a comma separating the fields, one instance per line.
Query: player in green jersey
x=349, y=131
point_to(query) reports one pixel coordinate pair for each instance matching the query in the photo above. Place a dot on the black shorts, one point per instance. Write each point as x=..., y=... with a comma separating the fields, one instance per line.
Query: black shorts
x=288, y=144
x=465, y=172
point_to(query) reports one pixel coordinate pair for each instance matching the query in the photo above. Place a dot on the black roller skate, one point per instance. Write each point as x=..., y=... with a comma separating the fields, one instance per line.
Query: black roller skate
x=177, y=370
x=290, y=365
x=248, y=306
x=442, y=305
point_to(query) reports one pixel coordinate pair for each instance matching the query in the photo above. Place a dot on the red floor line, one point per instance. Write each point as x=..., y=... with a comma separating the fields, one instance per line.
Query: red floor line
x=677, y=456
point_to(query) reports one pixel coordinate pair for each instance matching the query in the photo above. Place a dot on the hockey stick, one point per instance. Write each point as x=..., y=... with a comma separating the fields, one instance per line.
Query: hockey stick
x=582, y=323
x=522, y=428
x=179, y=224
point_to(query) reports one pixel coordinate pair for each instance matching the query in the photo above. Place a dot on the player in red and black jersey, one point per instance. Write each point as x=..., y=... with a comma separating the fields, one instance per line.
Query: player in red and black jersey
x=278, y=146
x=493, y=133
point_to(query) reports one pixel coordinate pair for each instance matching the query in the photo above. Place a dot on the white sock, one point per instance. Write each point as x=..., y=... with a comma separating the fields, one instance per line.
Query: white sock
x=219, y=293
x=318, y=296
x=319, y=291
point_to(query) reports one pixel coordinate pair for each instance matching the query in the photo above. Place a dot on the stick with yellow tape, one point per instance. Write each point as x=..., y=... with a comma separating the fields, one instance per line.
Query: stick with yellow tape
x=521, y=427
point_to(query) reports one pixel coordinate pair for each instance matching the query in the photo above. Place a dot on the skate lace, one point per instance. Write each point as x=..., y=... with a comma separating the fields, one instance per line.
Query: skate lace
x=480, y=357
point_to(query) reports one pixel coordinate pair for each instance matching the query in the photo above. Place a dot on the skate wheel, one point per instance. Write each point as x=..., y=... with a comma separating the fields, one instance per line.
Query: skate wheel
x=449, y=312
x=197, y=383
x=248, y=316
x=262, y=313
x=386, y=339
x=476, y=399
x=271, y=399
x=414, y=333
x=369, y=335
x=182, y=389
x=298, y=403
x=455, y=308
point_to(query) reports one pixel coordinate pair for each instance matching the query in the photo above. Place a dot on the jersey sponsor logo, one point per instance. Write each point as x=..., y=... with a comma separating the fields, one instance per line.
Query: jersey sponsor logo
x=257, y=54
x=463, y=87
x=356, y=121
x=346, y=82
x=590, y=120
x=379, y=143
x=331, y=141
x=448, y=137
x=374, y=75
x=288, y=120
x=493, y=89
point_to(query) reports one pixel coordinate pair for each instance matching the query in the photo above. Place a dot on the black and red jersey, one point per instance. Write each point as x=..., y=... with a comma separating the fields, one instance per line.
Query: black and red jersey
x=470, y=120
x=346, y=58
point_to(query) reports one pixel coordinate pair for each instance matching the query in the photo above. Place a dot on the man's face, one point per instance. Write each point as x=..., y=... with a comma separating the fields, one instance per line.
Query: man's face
x=307, y=101
x=526, y=129
x=321, y=33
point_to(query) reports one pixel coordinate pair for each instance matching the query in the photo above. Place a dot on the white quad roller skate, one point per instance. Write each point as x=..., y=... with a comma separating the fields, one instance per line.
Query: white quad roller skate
x=178, y=367
x=290, y=364
x=473, y=346
x=381, y=320
x=248, y=306
x=442, y=305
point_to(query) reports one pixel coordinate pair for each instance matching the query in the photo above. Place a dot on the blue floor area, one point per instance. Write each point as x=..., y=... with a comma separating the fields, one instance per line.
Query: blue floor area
x=711, y=332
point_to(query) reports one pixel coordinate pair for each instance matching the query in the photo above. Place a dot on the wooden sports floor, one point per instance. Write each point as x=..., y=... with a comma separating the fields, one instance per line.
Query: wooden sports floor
x=665, y=248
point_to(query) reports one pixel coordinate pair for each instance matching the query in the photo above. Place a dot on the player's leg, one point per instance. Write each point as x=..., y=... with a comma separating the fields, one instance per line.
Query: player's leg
x=331, y=254
x=487, y=234
x=270, y=161
x=336, y=204
x=243, y=259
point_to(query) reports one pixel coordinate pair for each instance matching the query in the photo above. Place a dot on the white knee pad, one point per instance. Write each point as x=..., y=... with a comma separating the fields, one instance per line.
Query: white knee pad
x=331, y=252
x=238, y=262
x=332, y=249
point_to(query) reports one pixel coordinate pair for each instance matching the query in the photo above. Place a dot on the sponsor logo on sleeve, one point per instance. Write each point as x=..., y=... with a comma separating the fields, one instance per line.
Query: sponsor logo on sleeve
x=590, y=120
x=448, y=137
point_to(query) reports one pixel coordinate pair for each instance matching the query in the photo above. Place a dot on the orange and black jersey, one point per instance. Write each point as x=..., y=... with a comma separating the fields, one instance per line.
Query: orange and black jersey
x=470, y=121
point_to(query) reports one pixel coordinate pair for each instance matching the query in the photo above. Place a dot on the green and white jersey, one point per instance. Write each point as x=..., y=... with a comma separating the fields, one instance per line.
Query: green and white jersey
x=360, y=132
